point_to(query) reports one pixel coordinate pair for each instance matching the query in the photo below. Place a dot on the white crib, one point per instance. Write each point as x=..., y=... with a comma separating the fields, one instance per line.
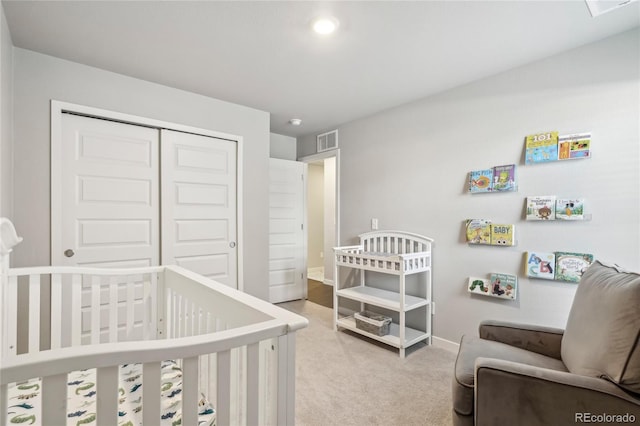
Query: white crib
x=228, y=352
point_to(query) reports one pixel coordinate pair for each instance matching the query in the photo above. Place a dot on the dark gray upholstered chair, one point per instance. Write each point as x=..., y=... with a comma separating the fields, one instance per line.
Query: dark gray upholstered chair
x=530, y=375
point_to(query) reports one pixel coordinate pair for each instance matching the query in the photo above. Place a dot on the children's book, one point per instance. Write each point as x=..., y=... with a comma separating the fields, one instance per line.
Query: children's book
x=571, y=266
x=570, y=209
x=542, y=207
x=478, y=285
x=478, y=231
x=541, y=148
x=481, y=181
x=571, y=147
x=504, y=178
x=540, y=265
x=503, y=285
x=502, y=235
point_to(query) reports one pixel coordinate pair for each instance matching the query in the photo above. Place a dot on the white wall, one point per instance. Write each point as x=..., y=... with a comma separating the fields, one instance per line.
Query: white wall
x=6, y=121
x=329, y=216
x=408, y=167
x=283, y=147
x=39, y=78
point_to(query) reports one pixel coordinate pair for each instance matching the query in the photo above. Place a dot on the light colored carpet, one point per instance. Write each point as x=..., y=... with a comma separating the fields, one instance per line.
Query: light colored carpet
x=344, y=379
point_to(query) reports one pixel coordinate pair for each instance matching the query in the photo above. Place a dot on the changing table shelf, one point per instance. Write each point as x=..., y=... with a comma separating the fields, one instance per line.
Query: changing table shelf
x=412, y=336
x=383, y=298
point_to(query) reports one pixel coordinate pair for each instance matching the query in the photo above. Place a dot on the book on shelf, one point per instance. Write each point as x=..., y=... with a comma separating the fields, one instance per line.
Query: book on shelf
x=541, y=207
x=540, y=265
x=571, y=266
x=502, y=235
x=570, y=209
x=503, y=286
x=481, y=181
x=574, y=146
x=478, y=231
x=504, y=178
x=541, y=148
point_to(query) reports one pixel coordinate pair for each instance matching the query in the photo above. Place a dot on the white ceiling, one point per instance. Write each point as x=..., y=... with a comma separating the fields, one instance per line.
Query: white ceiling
x=263, y=55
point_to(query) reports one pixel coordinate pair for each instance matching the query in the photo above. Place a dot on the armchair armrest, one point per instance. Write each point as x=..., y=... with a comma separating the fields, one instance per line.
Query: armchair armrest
x=512, y=393
x=534, y=338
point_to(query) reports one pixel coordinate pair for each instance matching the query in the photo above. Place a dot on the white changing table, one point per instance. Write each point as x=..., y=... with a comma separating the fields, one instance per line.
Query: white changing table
x=395, y=253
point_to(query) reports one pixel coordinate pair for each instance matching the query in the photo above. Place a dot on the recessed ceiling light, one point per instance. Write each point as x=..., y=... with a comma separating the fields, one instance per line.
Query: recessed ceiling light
x=325, y=25
x=295, y=122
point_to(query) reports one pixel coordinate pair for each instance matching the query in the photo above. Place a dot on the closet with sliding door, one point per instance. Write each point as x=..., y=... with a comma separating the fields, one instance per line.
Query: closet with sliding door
x=127, y=195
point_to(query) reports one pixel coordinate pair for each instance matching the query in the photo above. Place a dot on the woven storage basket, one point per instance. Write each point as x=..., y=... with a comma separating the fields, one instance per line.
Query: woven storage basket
x=372, y=323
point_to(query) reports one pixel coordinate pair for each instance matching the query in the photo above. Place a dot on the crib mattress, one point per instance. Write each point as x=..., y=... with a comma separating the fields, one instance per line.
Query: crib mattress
x=25, y=399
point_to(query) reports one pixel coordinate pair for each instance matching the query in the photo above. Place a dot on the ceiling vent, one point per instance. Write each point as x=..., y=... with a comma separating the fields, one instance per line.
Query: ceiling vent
x=598, y=7
x=327, y=141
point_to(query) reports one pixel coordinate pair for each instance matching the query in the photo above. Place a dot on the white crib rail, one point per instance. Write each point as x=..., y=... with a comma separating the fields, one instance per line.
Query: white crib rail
x=148, y=315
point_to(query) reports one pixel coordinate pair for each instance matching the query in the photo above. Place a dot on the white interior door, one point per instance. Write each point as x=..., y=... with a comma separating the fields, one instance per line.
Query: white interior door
x=287, y=236
x=106, y=209
x=199, y=191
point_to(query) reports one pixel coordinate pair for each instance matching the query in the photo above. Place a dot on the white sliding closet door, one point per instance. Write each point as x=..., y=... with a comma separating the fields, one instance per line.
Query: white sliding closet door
x=105, y=207
x=199, y=204
x=287, y=234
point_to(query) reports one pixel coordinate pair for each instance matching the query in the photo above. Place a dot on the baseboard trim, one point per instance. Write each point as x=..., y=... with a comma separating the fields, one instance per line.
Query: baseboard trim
x=448, y=345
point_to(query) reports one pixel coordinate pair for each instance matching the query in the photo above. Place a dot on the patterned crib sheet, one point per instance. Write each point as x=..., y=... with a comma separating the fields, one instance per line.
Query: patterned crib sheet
x=25, y=399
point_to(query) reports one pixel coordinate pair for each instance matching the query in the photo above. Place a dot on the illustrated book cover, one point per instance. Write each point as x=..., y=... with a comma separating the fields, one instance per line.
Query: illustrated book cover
x=571, y=266
x=504, y=178
x=540, y=265
x=503, y=285
x=541, y=148
x=542, y=207
x=502, y=235
x=574, y=146
x=478, y=231
x=481, y=181
x=570, y=209
x=478, y=285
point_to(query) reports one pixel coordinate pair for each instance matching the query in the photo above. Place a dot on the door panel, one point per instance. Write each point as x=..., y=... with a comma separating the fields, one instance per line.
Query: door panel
x=109, y=194
x=287, y=218
x=199, y=204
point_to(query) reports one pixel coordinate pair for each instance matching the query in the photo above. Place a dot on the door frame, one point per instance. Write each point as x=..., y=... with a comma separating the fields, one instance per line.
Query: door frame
x=59, y=107
x=333, y=153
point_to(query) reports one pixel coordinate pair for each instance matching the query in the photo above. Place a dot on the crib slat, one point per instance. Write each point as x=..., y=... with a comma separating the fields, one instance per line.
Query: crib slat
x=151, y=393
x=130, y=307
x=253, y=383
x=95, y=310
x=76, y=310
x=190, y=391
x=56, y=311
x=153, y=320
x=146, y=288
x=54, y=399
x=223, y=391
x=113, y=309
x=11, y=321
x=34, y=313
x=107, y=388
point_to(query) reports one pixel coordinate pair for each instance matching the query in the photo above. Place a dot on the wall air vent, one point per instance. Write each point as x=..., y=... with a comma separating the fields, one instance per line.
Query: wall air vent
x=598, y=7
x=327, y=141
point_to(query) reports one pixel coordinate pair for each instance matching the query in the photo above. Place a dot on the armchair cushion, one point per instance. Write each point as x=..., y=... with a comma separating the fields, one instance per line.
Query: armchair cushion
x=603, y=330
x=471, y=348
x=535, y=338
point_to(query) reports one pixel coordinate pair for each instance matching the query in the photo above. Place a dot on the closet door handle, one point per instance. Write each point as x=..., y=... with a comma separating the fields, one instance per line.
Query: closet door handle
x=232, y=244
x=69, y=253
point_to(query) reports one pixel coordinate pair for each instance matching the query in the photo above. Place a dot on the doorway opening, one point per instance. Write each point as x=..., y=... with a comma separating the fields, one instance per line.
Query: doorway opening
x=323, y=219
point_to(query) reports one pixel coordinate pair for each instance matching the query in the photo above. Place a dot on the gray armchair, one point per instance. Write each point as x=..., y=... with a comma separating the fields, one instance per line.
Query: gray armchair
x=514, y=374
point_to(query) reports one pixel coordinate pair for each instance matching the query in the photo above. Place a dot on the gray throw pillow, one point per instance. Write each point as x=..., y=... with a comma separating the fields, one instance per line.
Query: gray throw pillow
x=603, y=330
